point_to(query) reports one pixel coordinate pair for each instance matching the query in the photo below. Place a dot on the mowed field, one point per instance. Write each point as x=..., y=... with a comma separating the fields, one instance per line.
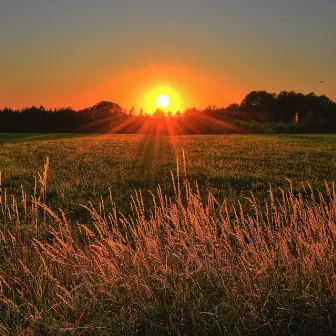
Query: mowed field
x=85, y=167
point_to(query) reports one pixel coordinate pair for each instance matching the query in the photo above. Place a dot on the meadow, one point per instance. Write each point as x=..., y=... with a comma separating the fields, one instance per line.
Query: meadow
x=85, y=168
x=131, y=234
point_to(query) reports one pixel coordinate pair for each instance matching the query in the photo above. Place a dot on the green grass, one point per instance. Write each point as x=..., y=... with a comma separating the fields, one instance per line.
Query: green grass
x=84, y=167
x=180, y=261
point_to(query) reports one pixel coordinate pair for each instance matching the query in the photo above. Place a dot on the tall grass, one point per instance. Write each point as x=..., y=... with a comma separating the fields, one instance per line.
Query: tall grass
x=188, y=265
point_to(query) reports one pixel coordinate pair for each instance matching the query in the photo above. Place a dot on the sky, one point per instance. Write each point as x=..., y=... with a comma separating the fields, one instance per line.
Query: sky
x=60, y=53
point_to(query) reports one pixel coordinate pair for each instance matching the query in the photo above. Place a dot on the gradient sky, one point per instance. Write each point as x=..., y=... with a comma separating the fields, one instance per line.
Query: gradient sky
x=77, y=52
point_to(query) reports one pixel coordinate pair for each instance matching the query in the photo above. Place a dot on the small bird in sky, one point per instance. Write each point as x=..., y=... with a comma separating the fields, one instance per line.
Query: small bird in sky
x=321, y=82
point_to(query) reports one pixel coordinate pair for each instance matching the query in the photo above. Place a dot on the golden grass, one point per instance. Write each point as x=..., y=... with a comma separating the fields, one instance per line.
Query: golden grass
x=186, y=266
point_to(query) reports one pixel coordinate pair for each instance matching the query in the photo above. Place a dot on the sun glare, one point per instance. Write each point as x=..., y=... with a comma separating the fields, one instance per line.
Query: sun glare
x=163, y=97
x=162, y=101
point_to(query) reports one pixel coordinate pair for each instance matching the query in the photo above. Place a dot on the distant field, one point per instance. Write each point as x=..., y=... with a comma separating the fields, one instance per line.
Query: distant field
x=84, y=167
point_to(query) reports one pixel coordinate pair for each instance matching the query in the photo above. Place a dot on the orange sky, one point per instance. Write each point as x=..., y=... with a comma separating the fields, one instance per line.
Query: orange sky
x=77, y=53
x=141, y=86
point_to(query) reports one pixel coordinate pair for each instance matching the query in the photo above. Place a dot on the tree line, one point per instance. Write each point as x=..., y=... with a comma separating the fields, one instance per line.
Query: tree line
x=259, y=112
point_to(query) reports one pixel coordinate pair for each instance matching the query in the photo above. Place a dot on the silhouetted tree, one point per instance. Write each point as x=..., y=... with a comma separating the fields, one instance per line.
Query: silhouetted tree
x=159, y=114
x=259, y=111
x=259, y=105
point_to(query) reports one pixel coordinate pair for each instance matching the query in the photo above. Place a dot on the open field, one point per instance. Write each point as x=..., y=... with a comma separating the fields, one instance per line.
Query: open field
x=83, y=168
x=181, y=262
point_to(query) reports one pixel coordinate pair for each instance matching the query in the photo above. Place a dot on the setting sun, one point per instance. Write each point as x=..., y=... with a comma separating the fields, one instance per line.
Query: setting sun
x=162, y=101
x=164, y=97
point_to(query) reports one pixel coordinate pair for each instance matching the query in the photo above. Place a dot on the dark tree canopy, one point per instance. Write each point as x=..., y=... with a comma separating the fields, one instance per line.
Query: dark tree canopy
x=260, y=111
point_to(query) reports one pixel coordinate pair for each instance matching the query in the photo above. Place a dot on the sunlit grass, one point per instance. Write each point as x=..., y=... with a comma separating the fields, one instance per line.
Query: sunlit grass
x=186, y=263
x=230, y=166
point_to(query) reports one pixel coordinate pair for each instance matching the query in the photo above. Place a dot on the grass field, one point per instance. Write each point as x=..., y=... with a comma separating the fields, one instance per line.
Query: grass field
x=186, y=259
x=83, y=168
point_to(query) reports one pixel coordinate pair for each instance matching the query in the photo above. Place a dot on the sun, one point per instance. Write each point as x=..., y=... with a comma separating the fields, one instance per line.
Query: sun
x=162, y=101
x=161, y=96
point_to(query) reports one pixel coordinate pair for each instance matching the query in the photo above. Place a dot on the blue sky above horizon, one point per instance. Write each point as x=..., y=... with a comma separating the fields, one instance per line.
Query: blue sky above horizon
x=74, y=52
